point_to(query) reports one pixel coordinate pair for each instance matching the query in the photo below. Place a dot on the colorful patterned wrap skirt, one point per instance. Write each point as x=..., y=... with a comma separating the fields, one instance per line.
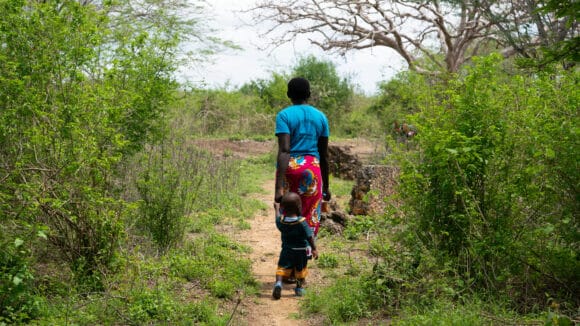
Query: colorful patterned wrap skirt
x=303, y=177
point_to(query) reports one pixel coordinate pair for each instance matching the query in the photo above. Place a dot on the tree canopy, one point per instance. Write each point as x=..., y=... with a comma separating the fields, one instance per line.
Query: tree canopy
x=447, y=33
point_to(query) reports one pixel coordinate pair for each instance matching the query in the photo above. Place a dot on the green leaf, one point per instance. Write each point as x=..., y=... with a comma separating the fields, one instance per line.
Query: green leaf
x=42, y=234
x=18, y=242
x=16, y=280
x=550, y=153
x=548, y=229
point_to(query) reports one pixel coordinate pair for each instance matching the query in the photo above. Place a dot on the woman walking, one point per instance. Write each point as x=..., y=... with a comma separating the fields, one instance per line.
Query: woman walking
x=302, y=161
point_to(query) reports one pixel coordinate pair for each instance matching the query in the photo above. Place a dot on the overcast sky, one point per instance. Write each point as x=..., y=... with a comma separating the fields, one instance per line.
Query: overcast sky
x=234, y=68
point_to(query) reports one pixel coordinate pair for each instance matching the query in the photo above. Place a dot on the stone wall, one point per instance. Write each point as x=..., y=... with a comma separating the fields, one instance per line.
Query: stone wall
x=342, y=163
x=373, y=184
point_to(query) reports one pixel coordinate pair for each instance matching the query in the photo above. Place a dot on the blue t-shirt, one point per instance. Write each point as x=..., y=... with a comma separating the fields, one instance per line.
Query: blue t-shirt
x=305, y=124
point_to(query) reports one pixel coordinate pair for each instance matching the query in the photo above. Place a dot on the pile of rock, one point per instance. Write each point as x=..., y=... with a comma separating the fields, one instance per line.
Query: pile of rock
x=342, y=163
x=373, y=183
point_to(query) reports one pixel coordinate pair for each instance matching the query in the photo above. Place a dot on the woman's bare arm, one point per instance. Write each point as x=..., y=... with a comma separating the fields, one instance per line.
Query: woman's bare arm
x=282, y=164
x=323, y=152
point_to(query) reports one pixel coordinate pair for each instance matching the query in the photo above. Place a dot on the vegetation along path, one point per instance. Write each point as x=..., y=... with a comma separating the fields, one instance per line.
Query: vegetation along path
x=264, y=239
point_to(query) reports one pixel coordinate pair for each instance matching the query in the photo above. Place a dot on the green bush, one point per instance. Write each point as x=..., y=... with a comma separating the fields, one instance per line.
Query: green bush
x=343, y=301
x=358, y=226
x=327, y=261
x=215, y=261
x=225, y=113
x=150, y=306
x=17, y=300
x=162, y=207
x=82, y=89
x=491, y=189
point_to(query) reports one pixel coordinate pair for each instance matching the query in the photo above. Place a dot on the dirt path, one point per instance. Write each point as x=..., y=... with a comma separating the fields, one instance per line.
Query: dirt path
x=264, y=239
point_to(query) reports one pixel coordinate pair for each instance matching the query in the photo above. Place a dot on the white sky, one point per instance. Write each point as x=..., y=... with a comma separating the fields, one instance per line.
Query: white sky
x=233, y=68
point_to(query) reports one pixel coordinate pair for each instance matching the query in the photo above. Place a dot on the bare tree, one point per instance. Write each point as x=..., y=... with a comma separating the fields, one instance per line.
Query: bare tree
x=524, y=26
x=431, y=36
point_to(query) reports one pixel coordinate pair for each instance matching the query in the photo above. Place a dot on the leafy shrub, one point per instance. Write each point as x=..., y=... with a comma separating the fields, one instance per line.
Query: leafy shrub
x=150, y=306
x=442, y=314
x=486, y=191
x=343, y=301
x=162, y=207
x=222, y=289
x=83, y=89
x=17, y=301
x=357, y=226
x=225, y=113
x=327, y=261
x=215, y=262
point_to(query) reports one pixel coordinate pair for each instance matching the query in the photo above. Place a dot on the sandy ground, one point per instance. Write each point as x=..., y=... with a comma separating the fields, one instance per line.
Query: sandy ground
x=264, y=239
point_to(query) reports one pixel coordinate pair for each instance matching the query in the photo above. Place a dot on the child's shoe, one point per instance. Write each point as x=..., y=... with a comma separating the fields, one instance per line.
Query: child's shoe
x=299, y=292
x=277, y=293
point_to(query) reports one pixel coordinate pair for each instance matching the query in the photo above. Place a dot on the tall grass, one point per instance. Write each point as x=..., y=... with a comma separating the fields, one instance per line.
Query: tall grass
x=192, y=280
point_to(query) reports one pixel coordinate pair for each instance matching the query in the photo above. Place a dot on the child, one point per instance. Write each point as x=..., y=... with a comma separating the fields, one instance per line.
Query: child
x=297, y=242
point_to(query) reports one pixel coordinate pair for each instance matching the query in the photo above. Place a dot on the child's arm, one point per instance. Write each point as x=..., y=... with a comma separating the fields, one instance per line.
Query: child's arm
x=313, y=246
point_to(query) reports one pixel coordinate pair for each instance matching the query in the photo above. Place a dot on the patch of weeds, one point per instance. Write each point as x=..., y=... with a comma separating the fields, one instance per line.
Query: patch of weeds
x=151, y=305
x=327, y=261
x=189, y=267
x=243, y=225
x=355, y=265
x=224, y=242
x=341, y=190
x=353, y=270
x=248, y=208
x=215, y=261
x=228, y=153
x=334, y=242
x=18, y=302
x=139, y=305
x=441, y=313
x=323, y=234
x=236, y=137
x=204, y=312
x=73, y=309
x=344, y=301
x=357, y=226
x=222, y=289
x=266, y=161
x=253, y=173
x=341, y=187
x=158, y=306
x=204, y=222
x=262, y=138
x=381, y=247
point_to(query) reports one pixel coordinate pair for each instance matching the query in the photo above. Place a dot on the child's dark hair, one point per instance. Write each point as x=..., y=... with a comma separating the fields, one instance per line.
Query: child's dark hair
x=291, y=204
x=298, y=89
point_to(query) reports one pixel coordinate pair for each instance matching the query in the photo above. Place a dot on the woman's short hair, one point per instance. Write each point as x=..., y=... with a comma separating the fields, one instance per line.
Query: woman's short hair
x=298, y=89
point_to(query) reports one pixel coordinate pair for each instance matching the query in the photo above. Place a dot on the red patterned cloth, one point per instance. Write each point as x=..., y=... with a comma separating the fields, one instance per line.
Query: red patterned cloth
x=304, y=178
